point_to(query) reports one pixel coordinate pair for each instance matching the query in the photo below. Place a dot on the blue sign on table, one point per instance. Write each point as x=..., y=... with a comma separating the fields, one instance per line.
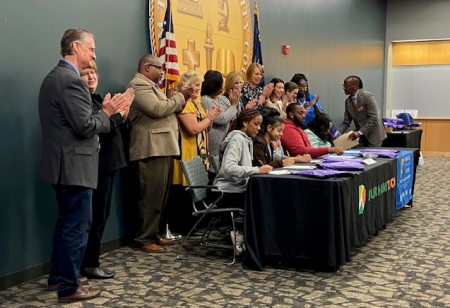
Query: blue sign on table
x=405, y=176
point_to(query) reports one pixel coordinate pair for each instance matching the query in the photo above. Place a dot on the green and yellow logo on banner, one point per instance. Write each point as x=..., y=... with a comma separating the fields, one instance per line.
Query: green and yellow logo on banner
x=362, y=198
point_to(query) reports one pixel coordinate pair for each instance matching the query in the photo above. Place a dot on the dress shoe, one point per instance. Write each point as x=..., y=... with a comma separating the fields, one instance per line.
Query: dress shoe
x=165, y=241
x=82, y=280
x=82, y=294
x=151, y=248
x=96, y=273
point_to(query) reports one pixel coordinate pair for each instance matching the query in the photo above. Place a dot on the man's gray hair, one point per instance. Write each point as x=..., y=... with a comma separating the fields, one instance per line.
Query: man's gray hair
x=71, y=36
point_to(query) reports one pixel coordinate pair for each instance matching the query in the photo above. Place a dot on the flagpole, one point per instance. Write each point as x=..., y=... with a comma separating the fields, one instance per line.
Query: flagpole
x=166, y=85
x=257, y=50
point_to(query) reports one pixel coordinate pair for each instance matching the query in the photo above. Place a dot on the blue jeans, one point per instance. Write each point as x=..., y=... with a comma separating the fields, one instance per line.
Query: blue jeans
x=70, y=236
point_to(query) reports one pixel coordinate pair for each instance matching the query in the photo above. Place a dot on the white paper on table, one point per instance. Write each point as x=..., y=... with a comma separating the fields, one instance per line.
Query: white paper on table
x=352, y=152
x=345, y=143
x=369, y=161
x=342, y=157
x=301, y=167
x=278, y=172
x=315, y=160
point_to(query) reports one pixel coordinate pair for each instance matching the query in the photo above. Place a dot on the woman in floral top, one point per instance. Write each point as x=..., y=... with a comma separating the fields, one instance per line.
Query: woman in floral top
x=253, y=94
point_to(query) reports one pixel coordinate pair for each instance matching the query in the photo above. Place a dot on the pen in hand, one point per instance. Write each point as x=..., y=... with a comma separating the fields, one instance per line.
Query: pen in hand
x=261, y=162
x=288, y=155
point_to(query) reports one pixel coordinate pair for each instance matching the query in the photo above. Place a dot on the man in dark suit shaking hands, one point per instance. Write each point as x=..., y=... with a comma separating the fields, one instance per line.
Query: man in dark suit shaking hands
x=69, y=160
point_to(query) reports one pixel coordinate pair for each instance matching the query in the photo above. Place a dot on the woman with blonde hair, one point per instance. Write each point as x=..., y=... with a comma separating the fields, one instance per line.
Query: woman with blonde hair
x=194, y=125
x=252, y=93
x=233, y=87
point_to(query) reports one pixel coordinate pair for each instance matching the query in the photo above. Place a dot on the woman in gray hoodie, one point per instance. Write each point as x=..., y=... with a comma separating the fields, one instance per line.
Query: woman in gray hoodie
x=236, y=167
x=237, y=154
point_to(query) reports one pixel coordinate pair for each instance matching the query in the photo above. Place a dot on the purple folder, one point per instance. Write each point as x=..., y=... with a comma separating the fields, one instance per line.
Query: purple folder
x=332, y=159
x=381, y=152
x=324, y=173
x=347, y=165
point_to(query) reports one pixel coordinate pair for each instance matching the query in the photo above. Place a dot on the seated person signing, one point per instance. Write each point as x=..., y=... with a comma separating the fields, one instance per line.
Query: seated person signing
x=263, y=146
x=295, y=140
x=236, y=167
x=237, y=149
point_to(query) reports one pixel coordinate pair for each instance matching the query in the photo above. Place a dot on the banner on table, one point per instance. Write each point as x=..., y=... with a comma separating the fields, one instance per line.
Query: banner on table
x=405, y=176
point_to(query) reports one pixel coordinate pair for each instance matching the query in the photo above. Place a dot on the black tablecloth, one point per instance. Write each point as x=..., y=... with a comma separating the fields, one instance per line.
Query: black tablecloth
x=403, y=139
x=315, y=220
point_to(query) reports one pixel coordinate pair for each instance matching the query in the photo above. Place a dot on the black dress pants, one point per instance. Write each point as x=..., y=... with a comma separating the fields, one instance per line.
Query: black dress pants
x=101, y=207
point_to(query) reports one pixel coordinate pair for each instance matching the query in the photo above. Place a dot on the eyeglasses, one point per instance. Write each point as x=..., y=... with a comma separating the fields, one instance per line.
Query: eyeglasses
x=91, y=49
x=154, y=65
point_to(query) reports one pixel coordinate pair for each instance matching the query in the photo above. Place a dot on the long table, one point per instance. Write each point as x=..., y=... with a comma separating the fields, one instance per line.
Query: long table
x=316, y=221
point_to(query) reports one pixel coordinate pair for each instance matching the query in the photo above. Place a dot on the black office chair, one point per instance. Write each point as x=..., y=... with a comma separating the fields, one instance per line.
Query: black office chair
x=196, y=175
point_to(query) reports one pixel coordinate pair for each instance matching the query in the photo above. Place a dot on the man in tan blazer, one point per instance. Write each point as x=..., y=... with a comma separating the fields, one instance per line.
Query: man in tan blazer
x=154, y=142
x=361, y=107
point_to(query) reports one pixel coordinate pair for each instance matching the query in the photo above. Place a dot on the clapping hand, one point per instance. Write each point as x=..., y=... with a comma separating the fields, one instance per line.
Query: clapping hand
x=125, y=109
x=285, y=104
x=315, y=100
x=251, y=104
x=267, y=90
x=119, y=103
x=212, y=113
x=186, y=92
x=234, y=97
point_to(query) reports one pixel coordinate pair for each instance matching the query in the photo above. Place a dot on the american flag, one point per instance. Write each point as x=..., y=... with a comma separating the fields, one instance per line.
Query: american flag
x=257, y=50
x=168, y=53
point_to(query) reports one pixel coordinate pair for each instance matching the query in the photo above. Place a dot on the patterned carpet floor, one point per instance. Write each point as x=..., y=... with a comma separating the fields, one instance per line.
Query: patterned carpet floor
x=407, y=265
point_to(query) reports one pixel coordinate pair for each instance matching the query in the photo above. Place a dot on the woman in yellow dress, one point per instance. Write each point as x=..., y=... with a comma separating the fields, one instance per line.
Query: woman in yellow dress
x=194, y=125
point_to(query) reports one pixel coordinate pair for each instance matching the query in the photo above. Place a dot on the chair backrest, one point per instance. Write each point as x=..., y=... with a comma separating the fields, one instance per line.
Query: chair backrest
x=196, y=175
x=214, y=160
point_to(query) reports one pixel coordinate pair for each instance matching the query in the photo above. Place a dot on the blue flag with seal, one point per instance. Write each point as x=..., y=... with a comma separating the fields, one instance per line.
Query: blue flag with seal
x=405, y=176
x=257, y=51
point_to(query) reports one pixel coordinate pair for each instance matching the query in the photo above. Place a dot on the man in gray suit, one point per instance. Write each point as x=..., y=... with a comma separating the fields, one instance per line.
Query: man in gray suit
x=154, y=143
x=69, y=160
x=361, y=108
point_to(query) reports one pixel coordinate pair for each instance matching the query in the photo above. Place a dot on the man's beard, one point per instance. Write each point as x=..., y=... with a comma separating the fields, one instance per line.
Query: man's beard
x=298, y=123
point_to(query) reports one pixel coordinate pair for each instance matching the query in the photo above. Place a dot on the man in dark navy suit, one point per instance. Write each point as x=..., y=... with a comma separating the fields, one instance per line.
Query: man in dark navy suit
x=69, y=161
